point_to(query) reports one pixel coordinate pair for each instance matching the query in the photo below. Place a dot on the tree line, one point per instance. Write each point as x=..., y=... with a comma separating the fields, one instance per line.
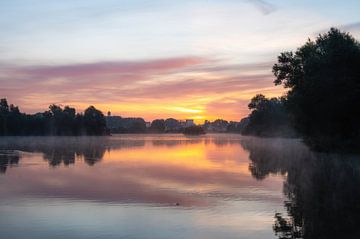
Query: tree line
x=119, y=125
x=322, y=101
x=55, y=121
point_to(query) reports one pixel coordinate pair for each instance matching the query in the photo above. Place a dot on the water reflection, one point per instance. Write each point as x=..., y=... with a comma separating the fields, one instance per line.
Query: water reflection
x=322, y=190
x=8, y=158
x=166, y=170
x=65, y=150
x=238, y=183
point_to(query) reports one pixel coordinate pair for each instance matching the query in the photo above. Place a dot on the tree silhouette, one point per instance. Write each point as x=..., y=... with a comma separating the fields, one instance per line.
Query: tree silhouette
x=323, y=78
x=157, y=126
x=55, y=121
x=193, y=130
x=268, y=118
x=94, y=121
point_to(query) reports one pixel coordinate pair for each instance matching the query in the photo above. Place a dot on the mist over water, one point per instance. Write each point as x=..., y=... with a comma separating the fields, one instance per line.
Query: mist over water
x=173, y=186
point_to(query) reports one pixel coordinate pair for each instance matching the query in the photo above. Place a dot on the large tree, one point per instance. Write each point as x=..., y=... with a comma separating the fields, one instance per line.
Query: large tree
x=323, y=78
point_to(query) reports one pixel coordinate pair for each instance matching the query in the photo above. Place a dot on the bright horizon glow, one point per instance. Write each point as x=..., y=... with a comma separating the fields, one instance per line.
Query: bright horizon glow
x=187, y=59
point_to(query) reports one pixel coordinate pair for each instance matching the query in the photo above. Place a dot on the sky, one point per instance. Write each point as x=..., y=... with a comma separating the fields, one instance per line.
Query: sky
x=155, y=59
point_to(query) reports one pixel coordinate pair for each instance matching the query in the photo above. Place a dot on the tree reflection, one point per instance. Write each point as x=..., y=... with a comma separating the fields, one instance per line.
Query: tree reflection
x=60, y=150
x=57, y=156
x=91, y=151
x=67, y=150
x=94, y=154
x=8, y=157
x=322, y=190
x=273, y=156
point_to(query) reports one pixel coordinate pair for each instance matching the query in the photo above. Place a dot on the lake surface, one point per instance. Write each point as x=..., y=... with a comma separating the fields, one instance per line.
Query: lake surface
x=173, y=186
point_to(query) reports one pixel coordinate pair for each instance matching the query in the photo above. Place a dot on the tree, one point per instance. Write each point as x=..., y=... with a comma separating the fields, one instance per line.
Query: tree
x=15, y=120
x=69, y=121
x=157, y=126
x=193, y=130
x=4, y=111
x=268, y=118
x=172, y=125
x=94, y=121
x=55, y=121
x=220, y=122
x=137, y=126
x=4, y=107
x=323, y=78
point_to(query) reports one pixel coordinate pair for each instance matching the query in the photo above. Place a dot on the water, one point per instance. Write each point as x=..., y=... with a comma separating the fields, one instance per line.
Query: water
x=173, y=186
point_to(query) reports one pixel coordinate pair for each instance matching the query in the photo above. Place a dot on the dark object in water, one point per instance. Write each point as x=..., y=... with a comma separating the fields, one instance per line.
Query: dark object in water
x=194, y=130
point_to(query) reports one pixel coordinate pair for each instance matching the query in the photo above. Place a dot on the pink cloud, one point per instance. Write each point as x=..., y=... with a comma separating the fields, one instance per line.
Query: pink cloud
x=111, y=68
x=152, y=81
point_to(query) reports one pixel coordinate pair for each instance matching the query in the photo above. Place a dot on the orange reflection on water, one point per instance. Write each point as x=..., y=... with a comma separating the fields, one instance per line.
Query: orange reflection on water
x=200, y=155
x=156, y=169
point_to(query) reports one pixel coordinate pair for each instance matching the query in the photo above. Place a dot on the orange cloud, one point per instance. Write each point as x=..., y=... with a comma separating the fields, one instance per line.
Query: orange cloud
x=186, y=87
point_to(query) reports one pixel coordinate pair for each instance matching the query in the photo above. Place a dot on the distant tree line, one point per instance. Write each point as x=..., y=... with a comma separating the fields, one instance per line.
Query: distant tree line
x=322, y=103
x=65, y=121
x=55, y=121
x=117, y=124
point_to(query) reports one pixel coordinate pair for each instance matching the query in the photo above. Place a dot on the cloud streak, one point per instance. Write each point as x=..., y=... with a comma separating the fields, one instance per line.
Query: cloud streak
x=263, y=6
x=144, y=88
x=105, y=68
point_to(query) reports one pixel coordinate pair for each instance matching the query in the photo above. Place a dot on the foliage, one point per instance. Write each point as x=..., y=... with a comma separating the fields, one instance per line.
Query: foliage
x=234, y=127
x=157, y=126
x=193, y=130
x=172, y=125
x=94, y=121
x=55, y=121
x=323, y=78
x=268, y=118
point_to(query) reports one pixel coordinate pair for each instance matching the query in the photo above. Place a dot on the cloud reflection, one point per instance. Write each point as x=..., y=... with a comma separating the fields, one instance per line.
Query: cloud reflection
x=165, y=170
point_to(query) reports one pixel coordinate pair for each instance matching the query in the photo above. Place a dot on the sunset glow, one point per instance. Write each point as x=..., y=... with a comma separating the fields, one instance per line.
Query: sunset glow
x=189, y=59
